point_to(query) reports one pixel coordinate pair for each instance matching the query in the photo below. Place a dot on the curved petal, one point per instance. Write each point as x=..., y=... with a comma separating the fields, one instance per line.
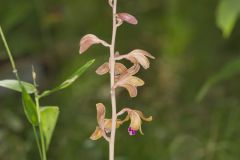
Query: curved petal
x=127, y=18
x=148, y=119
x=120, y=68
x=142, y=60
x=123, y=77
x=88, y=40
x=110, y=2
x=132, y=90
x=145, y=53
x=100, y=114
x=103, y=69
x=139, y=56
x=134, y=69
x=135, y=81
x=96, y=134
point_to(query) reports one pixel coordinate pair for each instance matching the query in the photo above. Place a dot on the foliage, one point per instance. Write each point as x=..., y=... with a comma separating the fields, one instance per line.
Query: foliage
x=227, y=14
x=43, y=119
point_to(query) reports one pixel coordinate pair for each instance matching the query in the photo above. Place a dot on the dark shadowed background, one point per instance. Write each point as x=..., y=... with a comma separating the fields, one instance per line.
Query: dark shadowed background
x=192, y=89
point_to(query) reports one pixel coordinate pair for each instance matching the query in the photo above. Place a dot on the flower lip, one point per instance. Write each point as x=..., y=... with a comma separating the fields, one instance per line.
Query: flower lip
x=131, y=131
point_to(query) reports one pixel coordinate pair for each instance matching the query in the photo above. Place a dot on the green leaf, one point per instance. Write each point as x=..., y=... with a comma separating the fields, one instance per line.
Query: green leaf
x=227, y=14
x=227, y=72
x=14, y=85
x=70, y=80
x=49, y=116
x=30, y=108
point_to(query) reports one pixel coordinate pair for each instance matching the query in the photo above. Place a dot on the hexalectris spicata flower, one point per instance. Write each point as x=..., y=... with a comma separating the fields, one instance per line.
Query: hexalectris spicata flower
x=135, y=117
x=104, y=124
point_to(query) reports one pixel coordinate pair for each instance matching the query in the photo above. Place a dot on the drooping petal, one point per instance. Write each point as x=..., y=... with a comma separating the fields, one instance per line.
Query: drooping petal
x=139, y=56
x=127, y=18
x=103, y=69
x=148, y=119
x=129, y=72
x=100, y=114
x=96, y=134
x=110, y=2
x=135, y=120
x=88, y=40
x=135, y=81
x=142, y=60
x=134, y=69
x=120, y=68
x=145, y=53
x=132, y=90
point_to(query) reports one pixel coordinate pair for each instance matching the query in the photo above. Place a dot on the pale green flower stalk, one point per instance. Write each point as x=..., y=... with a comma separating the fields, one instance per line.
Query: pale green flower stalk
x=120, y=76
x=42, y=118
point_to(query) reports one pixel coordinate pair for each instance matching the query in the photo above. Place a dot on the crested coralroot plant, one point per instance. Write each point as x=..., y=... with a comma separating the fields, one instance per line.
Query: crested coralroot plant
x=120, y=76
x=42, y=118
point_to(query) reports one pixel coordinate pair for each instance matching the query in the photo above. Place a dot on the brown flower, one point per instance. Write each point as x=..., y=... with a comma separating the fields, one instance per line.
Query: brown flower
x=104, y=125
x=124, y=77
x=137, y=56
x=136, y=118
x=128, y=81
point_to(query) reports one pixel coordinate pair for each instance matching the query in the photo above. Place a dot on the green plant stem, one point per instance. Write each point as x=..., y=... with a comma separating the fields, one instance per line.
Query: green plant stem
x=37, y=141
x=9, y=54
x=41, y=130
x=43, y=151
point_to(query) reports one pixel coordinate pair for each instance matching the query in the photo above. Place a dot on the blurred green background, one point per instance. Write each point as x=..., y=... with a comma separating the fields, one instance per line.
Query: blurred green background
x=192, y=88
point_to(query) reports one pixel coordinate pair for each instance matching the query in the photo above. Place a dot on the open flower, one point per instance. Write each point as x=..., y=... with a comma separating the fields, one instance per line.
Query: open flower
x=123, y=77
x=128, y=81
x=136, y=117
x=137, y=56
x=104, y=125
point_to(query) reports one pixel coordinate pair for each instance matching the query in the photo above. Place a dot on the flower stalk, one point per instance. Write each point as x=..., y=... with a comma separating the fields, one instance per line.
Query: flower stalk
x=120, y=76
x=112, y=74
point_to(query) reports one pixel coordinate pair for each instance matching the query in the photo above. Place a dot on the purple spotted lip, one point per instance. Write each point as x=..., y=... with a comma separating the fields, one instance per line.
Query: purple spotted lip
x=131, y=131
